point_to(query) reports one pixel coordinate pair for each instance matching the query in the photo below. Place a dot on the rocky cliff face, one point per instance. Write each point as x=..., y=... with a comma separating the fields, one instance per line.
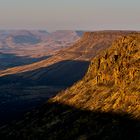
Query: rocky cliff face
x=112, y=81
x=117, y=65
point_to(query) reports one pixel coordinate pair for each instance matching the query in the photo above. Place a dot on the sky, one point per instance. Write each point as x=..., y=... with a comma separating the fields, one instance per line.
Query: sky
x=70, y=14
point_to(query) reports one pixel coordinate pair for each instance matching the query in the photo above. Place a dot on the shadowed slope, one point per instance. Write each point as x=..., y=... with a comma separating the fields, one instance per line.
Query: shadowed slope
x=22, y=92
x=11, y=60
x=63, y=73
x=55, y=121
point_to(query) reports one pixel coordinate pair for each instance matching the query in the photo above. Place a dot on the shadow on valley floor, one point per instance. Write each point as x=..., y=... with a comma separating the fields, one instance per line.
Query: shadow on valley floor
x=54, y=121
x=22, y=92
x=63, y=73
x=11, y=60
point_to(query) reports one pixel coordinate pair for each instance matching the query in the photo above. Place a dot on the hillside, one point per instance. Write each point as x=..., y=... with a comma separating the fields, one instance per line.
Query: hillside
x=113, y=78
x=104, y=105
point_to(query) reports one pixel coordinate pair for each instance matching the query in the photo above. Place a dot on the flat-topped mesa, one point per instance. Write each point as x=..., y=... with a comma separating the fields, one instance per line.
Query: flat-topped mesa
x=96, y=34
x=92, y=43
x=102, y=38
x=119, y=64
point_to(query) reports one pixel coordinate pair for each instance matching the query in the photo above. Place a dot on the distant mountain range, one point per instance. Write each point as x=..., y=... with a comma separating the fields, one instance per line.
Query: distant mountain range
x=35, y=43
x=20, y=47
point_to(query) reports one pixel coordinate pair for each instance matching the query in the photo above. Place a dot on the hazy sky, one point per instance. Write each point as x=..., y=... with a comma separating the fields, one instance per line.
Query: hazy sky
x=70, y=14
